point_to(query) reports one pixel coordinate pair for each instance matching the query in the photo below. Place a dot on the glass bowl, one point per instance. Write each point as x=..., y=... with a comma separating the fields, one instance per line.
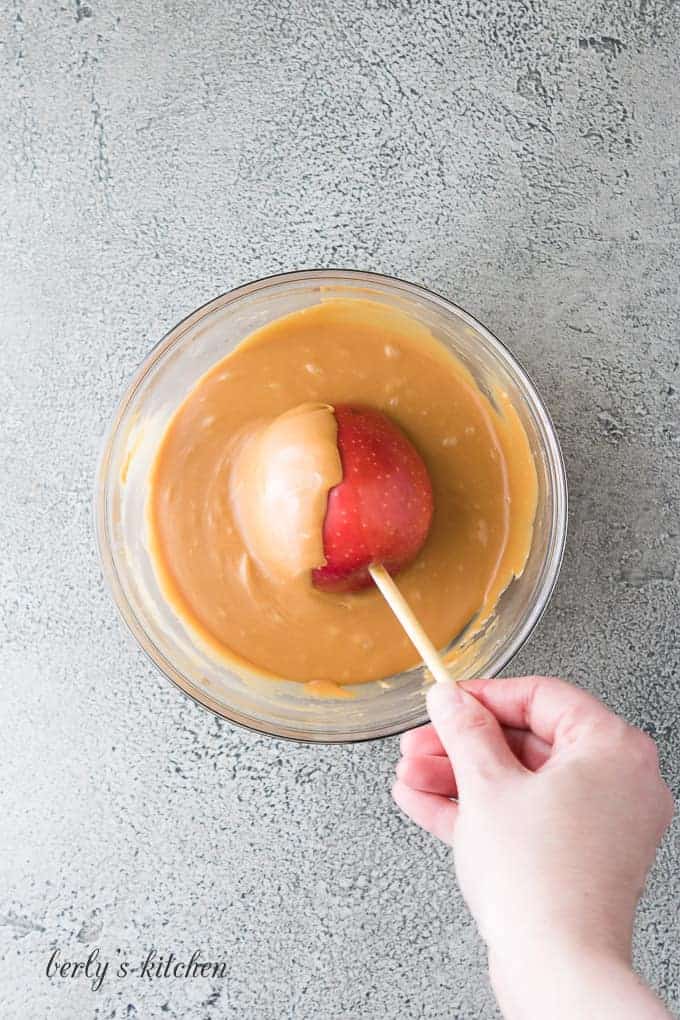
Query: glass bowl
x=282, y=708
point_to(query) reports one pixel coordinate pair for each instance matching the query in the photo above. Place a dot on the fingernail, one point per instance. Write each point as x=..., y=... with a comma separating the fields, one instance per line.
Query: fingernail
x=443, y=699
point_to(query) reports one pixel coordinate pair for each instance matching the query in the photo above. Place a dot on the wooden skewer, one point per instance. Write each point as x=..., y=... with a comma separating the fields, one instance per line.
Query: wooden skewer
x=411, y=624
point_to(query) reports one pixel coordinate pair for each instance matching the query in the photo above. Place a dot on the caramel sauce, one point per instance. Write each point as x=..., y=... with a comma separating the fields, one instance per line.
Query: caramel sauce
x=226, y=565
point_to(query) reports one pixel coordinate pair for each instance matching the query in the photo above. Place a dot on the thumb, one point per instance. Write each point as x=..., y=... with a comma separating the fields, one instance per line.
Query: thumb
x=471, y=735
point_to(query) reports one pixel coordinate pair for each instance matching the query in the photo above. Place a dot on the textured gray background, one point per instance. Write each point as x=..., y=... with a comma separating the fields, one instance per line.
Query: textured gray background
x=520, y=157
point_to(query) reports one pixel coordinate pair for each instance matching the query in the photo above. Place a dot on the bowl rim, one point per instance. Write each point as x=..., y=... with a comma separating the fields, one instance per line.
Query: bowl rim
x=559, y=524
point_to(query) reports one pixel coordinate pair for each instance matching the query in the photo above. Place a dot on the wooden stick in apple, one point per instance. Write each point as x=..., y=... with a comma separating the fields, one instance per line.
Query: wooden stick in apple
x=378, y=517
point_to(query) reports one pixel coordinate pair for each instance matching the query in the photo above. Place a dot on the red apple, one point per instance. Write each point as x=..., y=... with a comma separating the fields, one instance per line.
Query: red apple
x=381, y=510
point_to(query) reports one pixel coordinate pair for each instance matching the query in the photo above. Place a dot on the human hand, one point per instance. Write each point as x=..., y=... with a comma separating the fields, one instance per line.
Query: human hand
x=557, y=812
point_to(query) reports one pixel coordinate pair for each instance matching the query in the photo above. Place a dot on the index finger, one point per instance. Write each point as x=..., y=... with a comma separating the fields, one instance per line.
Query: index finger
x=551, y=708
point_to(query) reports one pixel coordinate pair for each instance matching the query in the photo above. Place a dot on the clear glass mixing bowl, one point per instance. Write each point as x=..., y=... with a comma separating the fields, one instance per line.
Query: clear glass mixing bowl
x=173, y=366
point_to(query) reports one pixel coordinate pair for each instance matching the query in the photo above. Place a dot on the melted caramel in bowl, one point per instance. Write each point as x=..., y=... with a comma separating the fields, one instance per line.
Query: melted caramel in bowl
x=201, y=513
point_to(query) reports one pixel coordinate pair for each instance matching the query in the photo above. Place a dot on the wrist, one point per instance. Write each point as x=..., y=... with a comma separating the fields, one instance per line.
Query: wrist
x=564, y=980
x=550, y=941
x=552, y=957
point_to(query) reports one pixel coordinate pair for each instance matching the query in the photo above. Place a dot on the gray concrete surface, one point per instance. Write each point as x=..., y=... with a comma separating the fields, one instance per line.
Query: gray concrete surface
x=520, y=157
